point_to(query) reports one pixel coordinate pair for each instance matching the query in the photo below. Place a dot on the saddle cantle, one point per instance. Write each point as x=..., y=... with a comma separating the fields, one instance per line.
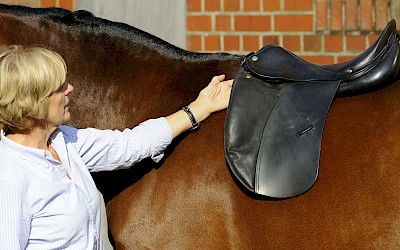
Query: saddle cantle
x=278, y=108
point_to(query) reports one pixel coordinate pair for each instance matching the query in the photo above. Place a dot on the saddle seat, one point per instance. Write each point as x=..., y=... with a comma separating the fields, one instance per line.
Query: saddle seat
x=278, y=107
x=277, y=65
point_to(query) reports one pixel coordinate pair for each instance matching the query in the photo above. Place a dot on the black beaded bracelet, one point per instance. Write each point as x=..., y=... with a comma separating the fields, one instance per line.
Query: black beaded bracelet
x=195, y=124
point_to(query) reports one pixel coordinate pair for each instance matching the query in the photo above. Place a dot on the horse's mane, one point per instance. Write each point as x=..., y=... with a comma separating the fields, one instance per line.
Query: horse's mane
x=86, y=20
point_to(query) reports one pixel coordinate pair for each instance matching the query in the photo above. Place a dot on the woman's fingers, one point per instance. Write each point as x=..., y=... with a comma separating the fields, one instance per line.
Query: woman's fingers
x=217, y=79
x=230, y=82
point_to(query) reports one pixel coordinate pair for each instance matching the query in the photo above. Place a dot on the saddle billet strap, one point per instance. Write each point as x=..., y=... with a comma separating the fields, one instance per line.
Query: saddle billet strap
x=273, y=133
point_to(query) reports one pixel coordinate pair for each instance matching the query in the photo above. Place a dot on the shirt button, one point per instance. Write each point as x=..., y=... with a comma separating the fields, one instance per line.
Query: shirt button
x=59, y=167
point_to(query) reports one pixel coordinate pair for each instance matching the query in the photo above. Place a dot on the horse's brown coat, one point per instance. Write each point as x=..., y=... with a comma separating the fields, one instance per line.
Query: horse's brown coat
x=122, y=76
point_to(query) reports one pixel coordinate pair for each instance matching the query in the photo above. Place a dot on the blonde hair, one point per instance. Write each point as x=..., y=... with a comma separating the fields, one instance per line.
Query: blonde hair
x=28, y=76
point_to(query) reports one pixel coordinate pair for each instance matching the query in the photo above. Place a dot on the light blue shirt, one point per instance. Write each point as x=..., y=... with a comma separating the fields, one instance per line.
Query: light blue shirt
x=42, y=208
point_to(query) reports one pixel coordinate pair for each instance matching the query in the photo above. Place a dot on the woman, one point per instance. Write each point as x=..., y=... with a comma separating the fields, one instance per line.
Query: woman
x=48, y=198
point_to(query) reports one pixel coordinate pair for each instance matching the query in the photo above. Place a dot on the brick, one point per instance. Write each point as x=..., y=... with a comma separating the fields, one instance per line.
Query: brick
x=294, y=23
x=298, y=4
x=351, y=14
x=198, y=23
x=251, y=43
x=334, y=43
x=320, y=59
x=342, y=59
x=291, y=43
x=253, y=23
x=322, y=14
x=193, y=5
x=211, y=43
x=193, y=42
x=372, y=38
x=231, y=5
x=272, y=5
x=336, y=15
x=212, y=5
x=67, y=4
x=366, y=15
x=251, y=5
x=48, y=3
x=381, y=14
x=312, y=43
x=271, y=40
x=355, y=43
x=223, y=23
x=231, y=43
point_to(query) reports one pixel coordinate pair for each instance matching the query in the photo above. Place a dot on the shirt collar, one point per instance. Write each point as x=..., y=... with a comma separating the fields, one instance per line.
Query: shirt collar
x=25, y=152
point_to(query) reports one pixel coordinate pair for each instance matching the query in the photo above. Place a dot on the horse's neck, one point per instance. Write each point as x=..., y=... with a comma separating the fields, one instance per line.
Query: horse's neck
x=119, y=80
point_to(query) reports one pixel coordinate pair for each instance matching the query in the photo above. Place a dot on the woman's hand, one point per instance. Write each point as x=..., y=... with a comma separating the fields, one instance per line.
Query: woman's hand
x=213, y=98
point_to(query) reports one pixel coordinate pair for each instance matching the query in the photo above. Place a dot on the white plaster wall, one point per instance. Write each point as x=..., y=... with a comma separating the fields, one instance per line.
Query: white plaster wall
x=163, y=18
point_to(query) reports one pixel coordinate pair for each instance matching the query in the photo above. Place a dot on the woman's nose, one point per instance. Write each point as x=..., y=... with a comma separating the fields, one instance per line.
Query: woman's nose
x=70, y=88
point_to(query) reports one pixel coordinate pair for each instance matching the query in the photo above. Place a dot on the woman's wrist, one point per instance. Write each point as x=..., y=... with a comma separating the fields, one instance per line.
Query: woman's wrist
x=194, y=122
x=199, y=112
x=213, y=98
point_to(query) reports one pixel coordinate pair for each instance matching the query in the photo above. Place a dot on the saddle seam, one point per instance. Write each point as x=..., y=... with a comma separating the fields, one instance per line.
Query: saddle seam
x=234, y=171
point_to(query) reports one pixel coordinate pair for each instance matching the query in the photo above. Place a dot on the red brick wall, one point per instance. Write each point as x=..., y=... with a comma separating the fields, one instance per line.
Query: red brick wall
x=66, y=4
x=322, y=31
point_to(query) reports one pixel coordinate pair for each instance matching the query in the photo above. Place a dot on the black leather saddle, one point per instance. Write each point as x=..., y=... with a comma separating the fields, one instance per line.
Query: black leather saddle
x=278, y=107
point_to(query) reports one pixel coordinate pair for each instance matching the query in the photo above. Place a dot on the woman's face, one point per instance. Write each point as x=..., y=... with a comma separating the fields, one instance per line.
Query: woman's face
x=58, y=106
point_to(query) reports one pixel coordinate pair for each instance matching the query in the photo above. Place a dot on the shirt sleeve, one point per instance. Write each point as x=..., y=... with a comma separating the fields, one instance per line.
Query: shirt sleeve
x=14, y=220
x=111, y=149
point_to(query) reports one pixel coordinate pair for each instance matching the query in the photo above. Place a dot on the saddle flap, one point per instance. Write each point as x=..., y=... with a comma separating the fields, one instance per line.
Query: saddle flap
x=273, y=134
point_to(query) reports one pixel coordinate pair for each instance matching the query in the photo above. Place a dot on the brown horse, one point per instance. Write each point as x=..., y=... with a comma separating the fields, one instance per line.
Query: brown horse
x=123, y=76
